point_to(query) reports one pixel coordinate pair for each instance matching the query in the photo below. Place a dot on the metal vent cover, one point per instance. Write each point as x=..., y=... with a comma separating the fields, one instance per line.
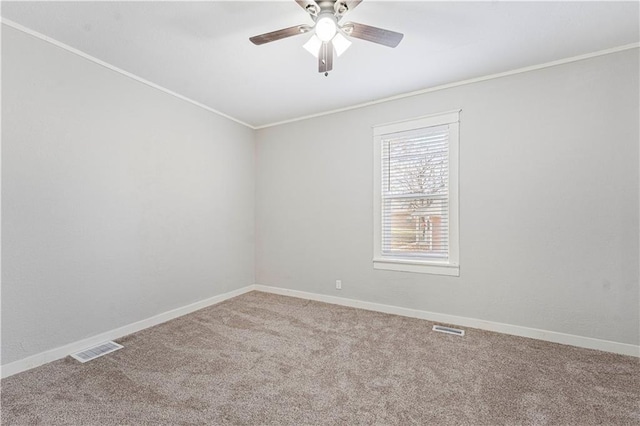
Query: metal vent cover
x=448, y=330
x=96, y=351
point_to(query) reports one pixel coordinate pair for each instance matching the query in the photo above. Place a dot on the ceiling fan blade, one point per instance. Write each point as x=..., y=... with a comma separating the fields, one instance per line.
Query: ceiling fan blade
x=325, y=58
x=373, y=34
x=310, y=6
x=280, y=34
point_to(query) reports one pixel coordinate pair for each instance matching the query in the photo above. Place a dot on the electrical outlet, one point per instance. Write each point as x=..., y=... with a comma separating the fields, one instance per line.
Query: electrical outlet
x=338, y=285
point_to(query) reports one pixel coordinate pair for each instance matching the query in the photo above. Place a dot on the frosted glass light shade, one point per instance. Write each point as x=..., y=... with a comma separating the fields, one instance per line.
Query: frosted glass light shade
x=313, y=45
x=340, y=44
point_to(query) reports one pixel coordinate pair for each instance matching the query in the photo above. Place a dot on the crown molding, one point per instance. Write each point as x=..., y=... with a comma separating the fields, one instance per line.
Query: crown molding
x=132, y=76
x=460, y=83
x=329, y=112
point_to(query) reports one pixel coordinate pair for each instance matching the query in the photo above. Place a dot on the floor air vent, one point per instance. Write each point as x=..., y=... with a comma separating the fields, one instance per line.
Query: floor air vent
x=448, y=330
x=96, y=351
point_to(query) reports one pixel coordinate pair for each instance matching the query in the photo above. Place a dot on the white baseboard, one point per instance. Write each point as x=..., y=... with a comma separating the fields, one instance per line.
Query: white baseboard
x=550, y=336
x=62, y=351
x=533, y=333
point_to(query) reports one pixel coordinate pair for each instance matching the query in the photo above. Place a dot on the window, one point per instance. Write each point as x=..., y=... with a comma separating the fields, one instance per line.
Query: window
x=416, y=195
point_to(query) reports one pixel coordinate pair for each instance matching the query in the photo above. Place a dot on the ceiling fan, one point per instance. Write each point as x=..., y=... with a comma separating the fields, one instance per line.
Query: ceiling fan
x=329, y=35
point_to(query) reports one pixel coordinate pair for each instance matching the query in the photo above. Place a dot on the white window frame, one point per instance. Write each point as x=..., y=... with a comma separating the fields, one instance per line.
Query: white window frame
x=452, y=265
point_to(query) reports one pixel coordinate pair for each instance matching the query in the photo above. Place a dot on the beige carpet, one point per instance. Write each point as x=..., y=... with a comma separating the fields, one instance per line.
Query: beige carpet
x=266, y=359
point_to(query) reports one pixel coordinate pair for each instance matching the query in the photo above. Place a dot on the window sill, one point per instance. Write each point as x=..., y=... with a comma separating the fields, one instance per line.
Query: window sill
x=417, y=266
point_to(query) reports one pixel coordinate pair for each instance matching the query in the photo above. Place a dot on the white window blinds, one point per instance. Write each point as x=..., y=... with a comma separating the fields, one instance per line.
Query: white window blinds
x=415, y=193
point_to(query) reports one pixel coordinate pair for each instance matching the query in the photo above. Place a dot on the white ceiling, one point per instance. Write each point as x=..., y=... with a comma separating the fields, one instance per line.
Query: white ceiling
x=201, y=50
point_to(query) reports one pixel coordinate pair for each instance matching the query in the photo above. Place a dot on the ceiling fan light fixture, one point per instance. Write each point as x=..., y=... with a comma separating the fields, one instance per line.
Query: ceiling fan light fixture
x=313, y=45
x=340, y=44
x=326, y=27
x=330, y=39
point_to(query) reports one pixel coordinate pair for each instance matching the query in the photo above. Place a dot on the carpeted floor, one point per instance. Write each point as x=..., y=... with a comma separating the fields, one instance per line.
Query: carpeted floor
x=267, y=359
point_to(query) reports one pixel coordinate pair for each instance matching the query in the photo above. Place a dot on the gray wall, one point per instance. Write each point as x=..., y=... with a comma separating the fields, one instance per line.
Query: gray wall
x=548, y=204
x=120, y=202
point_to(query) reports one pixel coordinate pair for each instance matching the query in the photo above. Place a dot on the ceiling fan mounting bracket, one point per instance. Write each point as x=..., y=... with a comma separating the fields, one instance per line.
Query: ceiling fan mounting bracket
x=340, y=8
x=312, y=9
